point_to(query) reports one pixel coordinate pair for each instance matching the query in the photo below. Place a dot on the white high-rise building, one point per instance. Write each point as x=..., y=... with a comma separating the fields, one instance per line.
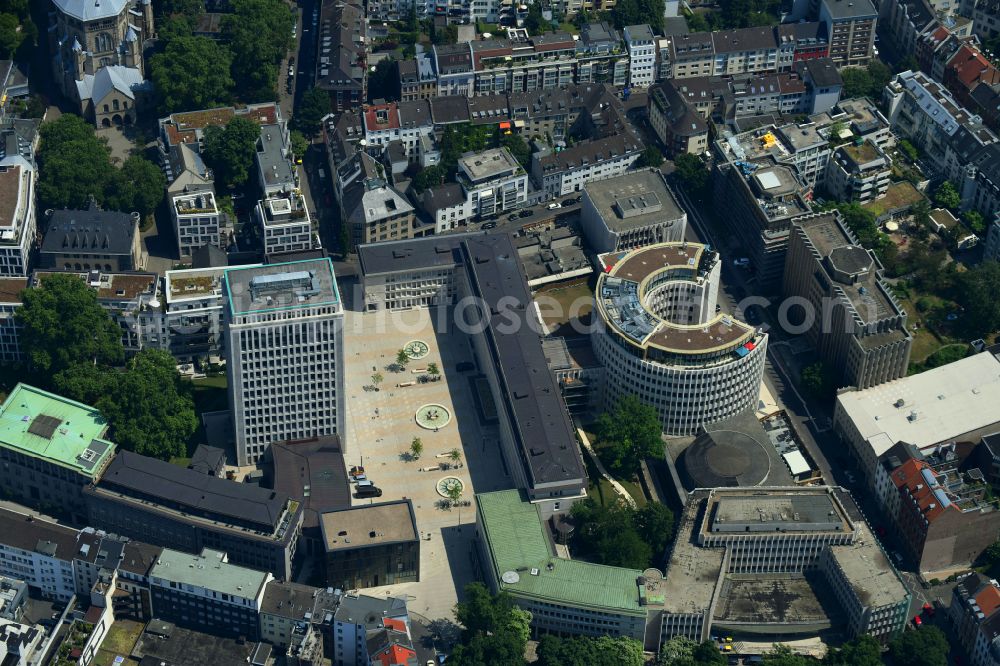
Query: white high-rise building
x=285, y=340
x=641, y=45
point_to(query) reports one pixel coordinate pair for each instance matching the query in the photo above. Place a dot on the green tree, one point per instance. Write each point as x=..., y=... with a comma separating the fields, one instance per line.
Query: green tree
x=862, y=223
x=908, y=149
x=383, y=83
x=11, y=35
x=587, y=651
x=259, y=33
x=192, y=8
x=782, y=655
x=693, y=175
x=495, y=629
x=927, y=647
x=977, y=290
x=192, y=73
x=429, y=178
x=314, y=105
x=74, y=164
x=865, y=82
x=862, y=651
x=650, y=157
x=945, y=355
x=677, y=651
x=655, y=524
x=818, y=381
x=299, y=143
x=230, y=150
x=630, y=433
x=433, y=370
x=518, y=148
x=946, y=196
x=344, y=238
x=63, y=325
x=402, y=358
x=83, y=382
x=138, y=186
x=150, y=407
x=635, y=12
x=535, y=22
x=416, y=448
x=455, y=456
x=974, y=220
x=607, y=535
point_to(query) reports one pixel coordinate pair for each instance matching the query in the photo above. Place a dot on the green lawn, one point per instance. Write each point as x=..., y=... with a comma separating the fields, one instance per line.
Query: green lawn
x=632, y=486
x=120, y=641
x=210, y=394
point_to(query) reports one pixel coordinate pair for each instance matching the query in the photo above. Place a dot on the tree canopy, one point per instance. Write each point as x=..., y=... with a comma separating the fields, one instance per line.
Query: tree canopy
x=650, y=157
x=636, y=12
x=192, y=73
x=862, y=651
x=63, y=325
x=682, y=651
x=150, y=407
x=259, y=33
x=927, y=647
x=587, y=651
x=630, y=433
x=495, y=629
x=315, y=104
x=230, y=150
x=75, y=165
x=946, y=196
x=867, y=81
x=977, y=290
x=693, y=175
x=619, y=535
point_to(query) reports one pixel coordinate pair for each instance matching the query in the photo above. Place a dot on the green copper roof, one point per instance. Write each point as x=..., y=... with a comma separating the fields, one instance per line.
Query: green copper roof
x=53, y=428
x=514, y=534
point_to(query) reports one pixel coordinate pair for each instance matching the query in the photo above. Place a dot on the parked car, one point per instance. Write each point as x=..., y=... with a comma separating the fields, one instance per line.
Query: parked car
x=356, y=470
x=364, y=492
x=554, y=205
x=524, y=213
x=512, y=217
x=917, y=622
x=490, y=225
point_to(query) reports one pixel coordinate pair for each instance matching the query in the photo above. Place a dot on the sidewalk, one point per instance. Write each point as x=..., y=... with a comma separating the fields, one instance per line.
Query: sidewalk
x=619, y=489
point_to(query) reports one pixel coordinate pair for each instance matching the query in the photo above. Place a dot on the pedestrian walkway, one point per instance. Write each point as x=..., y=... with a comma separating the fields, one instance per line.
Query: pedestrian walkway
x=619, y=489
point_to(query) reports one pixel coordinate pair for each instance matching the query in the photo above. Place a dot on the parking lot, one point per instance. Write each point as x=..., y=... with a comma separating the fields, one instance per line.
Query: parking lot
x=382, y=424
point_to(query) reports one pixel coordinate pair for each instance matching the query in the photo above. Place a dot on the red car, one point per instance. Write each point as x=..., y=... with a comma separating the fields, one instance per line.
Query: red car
x=928, y=610
x=917, y=622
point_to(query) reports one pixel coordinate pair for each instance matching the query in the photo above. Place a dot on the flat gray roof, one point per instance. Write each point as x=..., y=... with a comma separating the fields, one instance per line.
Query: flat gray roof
x=768, y=599
x=770, y=511
x=850, y=9
x=275, y=167
x=633, y=200
x=369, y=525
x=288, y=286
x=208, y=570
x=412, y=254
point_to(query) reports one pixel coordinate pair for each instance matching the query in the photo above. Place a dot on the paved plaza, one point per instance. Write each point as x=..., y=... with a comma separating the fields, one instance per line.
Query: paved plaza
x=381, y=425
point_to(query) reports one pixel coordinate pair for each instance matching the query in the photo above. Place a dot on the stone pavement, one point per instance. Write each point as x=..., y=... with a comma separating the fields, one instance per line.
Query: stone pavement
x=381, y=426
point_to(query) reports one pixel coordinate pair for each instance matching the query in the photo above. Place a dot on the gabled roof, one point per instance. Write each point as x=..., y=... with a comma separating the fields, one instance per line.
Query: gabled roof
x=126, y=80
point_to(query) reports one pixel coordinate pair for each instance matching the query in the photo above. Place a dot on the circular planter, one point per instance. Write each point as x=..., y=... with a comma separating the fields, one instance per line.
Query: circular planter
x=432, y=416
x=416, y=349
x=444, y=484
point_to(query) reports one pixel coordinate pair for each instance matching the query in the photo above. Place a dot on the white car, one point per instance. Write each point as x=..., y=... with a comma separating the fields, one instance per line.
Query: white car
x=553, y=206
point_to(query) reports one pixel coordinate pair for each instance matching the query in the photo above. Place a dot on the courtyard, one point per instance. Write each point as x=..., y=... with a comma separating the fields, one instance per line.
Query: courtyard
x=444, y=415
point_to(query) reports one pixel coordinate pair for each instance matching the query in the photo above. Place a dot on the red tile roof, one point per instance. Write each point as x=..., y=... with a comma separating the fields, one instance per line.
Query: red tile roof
x=909, y=475
x=988, y=600
x=395, y=655
x=392, y=117
x=971, y=67
x=394, y=623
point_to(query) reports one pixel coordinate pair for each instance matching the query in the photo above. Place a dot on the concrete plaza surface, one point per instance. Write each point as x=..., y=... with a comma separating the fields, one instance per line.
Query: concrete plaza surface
x=382, y=424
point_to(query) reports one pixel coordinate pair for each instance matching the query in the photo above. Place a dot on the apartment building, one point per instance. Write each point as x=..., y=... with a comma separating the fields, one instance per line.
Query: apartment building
x=206, y=593
x=416, y=77
x=18, y=223
x=187, y=320
x=493, y=181
x=196, y=221
x=374, y=209
x=966, y=70
x=993, y=239
x=170, y=506
x=285, y=610
x=661, y=338
x=50, y=448
x=855, y=322
x=285, y=225
x=40, y=553
x=850, y=25
x=600, y=56
x=10, y=328
x=641, y=46
x=285, y=342
x=570, y=169
x=630, y=211
x=857, y=171
x=679, y=127
x=342, y=46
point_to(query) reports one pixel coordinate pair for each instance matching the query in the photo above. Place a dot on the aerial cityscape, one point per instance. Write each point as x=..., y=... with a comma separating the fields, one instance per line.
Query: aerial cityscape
x=497, y=333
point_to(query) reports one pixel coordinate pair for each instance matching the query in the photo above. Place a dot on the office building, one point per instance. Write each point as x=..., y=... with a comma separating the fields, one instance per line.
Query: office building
x=371, y=545
x=763, y=194
x=40, y=553
x=196, y=221
x=850, y=25
x=630, y=211
x=974, y=602
x=206, y=593
x=50, y=447
x=640, y=42
x=349, y=618
x=660, y=337
x=493, y=181
x=954, y=402
x=167, y=505
x=92, y=239
x=536, y=436
x=285, y=346
x=285, y=225
x=852, y=318
x=732, y=544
